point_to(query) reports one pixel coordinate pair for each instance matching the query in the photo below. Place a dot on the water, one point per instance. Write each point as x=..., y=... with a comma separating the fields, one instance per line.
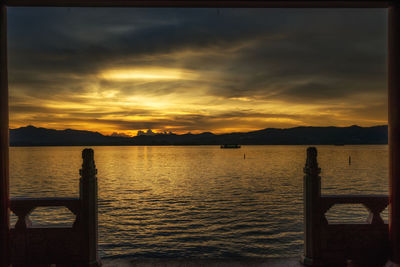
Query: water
x=199, y=201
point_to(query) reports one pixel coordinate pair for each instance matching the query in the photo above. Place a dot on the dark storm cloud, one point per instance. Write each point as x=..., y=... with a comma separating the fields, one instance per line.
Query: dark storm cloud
x=286, y=43
x=95, y=113
x=339, y=63
x=314, y=91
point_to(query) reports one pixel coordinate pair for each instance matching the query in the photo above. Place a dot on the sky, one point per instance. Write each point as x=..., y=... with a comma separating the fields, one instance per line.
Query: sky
x=119, y=71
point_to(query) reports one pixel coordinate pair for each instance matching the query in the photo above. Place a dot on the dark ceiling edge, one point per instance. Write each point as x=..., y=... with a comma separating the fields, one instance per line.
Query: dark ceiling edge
x=199, y=3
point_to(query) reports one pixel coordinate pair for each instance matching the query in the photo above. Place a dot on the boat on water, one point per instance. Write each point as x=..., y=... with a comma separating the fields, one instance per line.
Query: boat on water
x=230, y=146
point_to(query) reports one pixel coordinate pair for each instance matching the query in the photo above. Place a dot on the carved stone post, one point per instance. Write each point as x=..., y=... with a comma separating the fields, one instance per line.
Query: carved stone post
x=312, y=194
x=4, y=190
x=88, y=215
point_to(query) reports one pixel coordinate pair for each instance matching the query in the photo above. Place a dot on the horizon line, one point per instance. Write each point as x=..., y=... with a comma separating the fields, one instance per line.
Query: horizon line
x=116, y=134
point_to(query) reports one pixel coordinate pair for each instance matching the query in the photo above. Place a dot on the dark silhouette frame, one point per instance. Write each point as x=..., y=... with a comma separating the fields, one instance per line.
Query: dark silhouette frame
x=393, y=87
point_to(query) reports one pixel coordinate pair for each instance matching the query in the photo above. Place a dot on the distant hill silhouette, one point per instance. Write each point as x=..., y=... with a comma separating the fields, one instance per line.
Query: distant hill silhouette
x=33, y=136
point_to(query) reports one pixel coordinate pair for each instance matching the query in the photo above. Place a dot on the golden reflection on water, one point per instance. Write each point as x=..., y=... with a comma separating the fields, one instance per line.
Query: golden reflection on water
x=201, y=201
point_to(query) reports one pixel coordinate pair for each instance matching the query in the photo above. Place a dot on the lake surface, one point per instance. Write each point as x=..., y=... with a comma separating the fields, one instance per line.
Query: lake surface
x=199, y=201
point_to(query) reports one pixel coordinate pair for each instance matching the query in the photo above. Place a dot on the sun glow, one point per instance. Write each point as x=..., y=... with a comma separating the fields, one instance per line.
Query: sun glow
x=147, y=74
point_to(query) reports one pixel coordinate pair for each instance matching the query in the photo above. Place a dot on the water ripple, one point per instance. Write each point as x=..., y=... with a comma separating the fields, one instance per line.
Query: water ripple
x=198, y=201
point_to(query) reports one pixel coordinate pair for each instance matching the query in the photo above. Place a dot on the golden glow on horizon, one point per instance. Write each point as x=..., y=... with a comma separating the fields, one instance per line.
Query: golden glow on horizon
x=178, y=100
x=109, y=111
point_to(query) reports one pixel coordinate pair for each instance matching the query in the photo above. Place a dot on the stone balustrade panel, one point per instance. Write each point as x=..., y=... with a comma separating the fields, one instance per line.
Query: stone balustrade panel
x=64, y=246
x=334, y=244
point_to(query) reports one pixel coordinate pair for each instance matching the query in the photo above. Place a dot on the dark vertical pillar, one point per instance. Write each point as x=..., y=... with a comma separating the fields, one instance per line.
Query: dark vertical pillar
x=394, y=129
x=311, y=198
x=88, y=197
x=4, y=190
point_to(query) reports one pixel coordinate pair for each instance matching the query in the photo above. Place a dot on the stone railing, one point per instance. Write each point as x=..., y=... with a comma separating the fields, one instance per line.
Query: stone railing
x=365, y=244
x=75, y=245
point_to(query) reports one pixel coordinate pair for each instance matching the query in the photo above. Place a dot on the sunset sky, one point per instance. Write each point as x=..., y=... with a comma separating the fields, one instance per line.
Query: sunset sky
x=180, y=70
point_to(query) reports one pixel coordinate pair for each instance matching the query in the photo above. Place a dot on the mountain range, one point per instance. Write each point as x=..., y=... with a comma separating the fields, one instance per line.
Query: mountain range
x=33, y=136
